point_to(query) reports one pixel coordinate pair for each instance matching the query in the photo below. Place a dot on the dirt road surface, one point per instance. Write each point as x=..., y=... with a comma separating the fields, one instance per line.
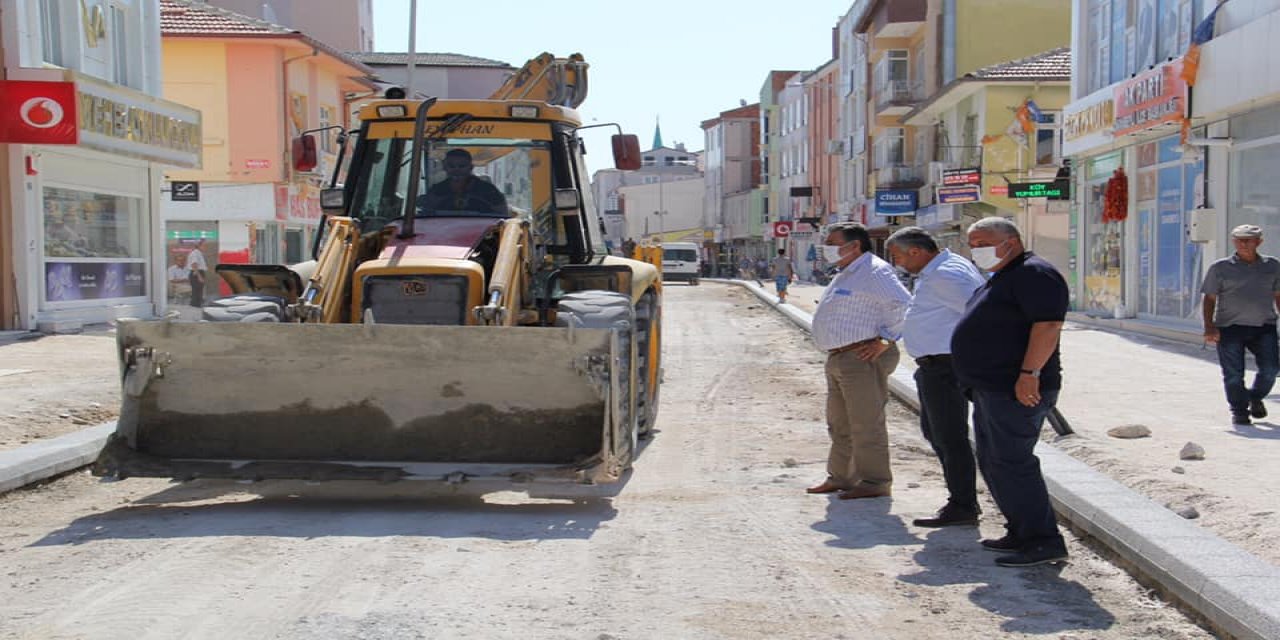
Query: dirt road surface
x=56, y=384
x=711, y=536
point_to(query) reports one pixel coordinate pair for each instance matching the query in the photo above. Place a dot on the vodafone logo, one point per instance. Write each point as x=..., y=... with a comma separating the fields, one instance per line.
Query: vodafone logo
x=37, y=112
x=41, y=112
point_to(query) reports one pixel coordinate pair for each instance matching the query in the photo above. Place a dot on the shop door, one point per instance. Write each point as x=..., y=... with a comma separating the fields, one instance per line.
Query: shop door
x=1169, y=266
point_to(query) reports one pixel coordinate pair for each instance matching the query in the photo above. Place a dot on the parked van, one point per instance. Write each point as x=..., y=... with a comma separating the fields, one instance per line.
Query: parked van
x=680, y=261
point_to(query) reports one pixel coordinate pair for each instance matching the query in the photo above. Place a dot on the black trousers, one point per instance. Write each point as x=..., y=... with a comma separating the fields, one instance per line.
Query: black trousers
x=197, y=289
x=944, y=420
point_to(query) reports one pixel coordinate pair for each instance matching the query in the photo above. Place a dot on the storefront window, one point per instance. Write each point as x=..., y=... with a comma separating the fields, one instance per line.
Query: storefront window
x=93, y=246
x=80, y=224
x=1103, y=240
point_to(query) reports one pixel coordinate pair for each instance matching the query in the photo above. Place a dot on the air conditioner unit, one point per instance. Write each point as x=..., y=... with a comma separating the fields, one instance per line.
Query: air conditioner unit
x=835, y=147
x=935, y=171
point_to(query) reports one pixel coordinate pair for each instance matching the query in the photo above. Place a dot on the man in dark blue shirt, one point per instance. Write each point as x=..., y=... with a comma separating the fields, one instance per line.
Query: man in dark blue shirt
x=1005, y=353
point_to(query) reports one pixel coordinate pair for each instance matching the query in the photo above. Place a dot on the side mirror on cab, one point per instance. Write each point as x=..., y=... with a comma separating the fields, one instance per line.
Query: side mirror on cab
x=333, y=199
x=304, y=153
x=626, y=151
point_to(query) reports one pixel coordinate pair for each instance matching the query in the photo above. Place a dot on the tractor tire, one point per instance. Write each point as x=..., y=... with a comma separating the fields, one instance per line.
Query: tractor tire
x=648, y=329
x=609, y=310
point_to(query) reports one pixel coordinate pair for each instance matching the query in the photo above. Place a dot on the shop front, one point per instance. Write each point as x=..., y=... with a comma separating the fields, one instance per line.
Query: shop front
x=87, y=225
x=1136, y=186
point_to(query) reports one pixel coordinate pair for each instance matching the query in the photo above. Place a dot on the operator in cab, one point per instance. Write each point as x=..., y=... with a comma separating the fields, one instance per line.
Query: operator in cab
x=461, y=190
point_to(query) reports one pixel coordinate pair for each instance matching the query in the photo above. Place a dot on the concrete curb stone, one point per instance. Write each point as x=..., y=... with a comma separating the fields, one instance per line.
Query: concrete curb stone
x=37, y=461
x=1235, y=591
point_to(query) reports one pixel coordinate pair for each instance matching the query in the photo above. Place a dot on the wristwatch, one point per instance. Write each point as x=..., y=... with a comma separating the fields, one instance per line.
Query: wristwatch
x=1034, y=373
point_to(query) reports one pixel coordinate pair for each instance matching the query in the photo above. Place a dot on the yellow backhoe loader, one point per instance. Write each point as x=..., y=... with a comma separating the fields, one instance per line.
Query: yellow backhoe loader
x=461, y=318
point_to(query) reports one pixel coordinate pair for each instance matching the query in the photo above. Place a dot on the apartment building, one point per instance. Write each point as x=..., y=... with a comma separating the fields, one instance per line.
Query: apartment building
x=1142, y=250
x=915, y=50
x=732, y=209
x=260, y=85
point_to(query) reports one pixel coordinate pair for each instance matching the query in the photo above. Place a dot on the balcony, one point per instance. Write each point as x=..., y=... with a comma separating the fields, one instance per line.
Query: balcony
x=899, y=176
x=896, y=19
x=896, y=97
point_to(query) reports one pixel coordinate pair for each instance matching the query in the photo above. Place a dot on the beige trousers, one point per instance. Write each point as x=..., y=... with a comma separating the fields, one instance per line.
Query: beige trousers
x=856, y=395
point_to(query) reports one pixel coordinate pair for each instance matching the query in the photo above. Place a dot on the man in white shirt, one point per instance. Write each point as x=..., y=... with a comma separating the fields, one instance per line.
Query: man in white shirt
x=857, y=321
x=198, y=267
x=944, y=284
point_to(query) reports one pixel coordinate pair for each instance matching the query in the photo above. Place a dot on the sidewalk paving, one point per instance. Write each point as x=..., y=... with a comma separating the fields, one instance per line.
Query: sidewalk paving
x=1223, y=565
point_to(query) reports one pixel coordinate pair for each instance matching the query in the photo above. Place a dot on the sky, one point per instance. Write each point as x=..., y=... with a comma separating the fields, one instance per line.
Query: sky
x=680, y=61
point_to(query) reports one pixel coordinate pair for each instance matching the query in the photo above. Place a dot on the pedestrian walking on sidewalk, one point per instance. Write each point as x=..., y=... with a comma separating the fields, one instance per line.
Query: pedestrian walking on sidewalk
x=783, y=273
x=1005, y=353
x=857, y=322
x=1241, y=293
x=944, y=283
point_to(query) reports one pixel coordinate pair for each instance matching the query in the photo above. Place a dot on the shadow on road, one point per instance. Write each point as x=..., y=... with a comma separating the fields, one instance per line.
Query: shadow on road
x=863, y=524
x=1260, y=430
x=194, y=510
x=1035, y=600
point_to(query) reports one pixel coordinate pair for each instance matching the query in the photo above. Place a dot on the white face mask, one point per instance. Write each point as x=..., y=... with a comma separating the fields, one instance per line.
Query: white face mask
x=985, y=257
x=831, y=253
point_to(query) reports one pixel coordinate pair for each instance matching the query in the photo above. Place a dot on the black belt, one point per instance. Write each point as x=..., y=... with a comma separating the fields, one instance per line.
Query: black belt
x=939, y=358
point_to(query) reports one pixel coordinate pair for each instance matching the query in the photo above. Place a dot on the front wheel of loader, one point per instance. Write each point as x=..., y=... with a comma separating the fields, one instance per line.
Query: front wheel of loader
x=609, y=310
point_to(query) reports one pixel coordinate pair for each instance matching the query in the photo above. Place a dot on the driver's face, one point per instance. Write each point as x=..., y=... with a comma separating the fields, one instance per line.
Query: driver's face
x=457, y=167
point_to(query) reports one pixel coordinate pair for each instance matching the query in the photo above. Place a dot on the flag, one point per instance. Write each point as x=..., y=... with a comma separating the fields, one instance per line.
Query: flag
x=1034, y=110
x=1202, y=34
x=1191, y=61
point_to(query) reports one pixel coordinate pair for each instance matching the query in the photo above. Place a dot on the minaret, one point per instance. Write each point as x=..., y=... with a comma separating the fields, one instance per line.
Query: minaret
x=657, y=134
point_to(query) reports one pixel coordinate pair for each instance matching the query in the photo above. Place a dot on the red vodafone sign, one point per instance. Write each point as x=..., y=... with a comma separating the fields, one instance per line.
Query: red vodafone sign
x=782, y=229
x=38, y=112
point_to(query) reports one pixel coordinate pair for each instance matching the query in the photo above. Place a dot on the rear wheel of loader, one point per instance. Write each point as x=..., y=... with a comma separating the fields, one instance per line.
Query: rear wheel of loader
x=648, y=332
x=609, y=310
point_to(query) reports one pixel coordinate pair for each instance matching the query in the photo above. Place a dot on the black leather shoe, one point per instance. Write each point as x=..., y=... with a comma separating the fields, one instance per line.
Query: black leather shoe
x=1032, y=556
x=949, y=516
x=1257, y=409
x=1007, y=543
x=1240, y=418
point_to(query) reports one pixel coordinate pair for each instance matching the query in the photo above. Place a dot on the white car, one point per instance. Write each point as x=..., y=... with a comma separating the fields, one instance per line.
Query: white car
x=680, y=261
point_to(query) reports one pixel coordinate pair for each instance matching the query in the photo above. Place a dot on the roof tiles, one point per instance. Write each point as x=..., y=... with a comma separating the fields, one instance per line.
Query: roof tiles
x=1050, y=65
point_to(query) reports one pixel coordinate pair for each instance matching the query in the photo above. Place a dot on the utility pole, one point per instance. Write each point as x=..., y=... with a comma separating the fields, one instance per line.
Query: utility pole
x=413, y=54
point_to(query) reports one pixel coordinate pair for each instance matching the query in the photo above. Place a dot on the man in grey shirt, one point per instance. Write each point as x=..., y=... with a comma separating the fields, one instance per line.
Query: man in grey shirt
x=1241, y=292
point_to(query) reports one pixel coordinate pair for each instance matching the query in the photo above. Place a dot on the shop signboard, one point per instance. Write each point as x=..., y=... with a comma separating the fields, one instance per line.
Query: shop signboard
x=961, y=177
x=958, y=195
x=1056, y=190
x=782, y=229
x=71, y=281
x=33, y=112
x=116, y=119
x=1151, y=98
x=998, y=189
x=896, y=202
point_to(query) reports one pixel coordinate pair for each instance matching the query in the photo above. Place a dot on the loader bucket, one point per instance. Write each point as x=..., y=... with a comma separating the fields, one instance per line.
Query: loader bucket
x=386, y=402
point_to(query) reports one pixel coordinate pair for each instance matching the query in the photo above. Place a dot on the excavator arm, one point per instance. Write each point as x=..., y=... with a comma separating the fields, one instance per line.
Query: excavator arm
x=546, y=78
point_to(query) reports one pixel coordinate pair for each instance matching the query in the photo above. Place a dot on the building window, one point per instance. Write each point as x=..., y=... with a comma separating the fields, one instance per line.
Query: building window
x=119, y=40
x=648, y=161
x=1048, y=145
x=889, y=148
x=326, y=120
x=51, y=36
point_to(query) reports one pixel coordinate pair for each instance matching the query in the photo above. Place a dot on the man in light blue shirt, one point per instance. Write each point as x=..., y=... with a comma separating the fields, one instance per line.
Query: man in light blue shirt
x=944, y=284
